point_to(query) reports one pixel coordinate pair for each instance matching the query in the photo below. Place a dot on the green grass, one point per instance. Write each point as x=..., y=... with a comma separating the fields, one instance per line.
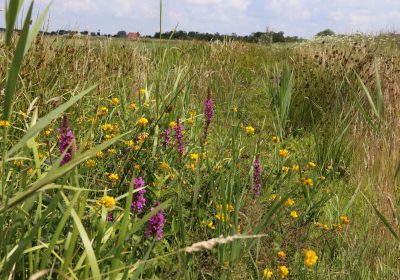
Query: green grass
x=336, y=105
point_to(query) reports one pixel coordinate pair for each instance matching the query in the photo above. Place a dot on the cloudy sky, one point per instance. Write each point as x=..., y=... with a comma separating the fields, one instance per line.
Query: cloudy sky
x=294, y=17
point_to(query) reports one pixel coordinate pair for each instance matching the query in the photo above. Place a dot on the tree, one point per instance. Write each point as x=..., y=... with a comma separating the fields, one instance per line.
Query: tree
x=325, y=32
x=122, y=34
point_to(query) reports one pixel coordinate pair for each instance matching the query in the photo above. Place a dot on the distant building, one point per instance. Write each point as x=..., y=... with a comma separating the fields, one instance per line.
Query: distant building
x=133, y=35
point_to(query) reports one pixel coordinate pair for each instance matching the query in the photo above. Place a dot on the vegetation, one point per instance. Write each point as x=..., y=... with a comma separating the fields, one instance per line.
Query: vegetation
x=196, y=160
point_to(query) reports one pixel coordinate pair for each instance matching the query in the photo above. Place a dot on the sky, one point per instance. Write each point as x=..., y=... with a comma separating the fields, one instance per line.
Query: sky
x=303, y=18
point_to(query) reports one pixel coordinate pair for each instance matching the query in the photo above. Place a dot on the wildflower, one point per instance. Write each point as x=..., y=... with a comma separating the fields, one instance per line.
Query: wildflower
x=283, y=153
x=256, y=175
x=91, y=163
x=234, y=109
x=138, y=197
x=222, y=217
x=18, y=162
x=165, y=136
x=172, y=124
x=142, y=122
x=250, y=130
x=194, y=157
x=228, y=208
x=100, y=154
x=67, y=142
x=311, y=164
x=275, y=139
x=281, y=255
x=130, y=143
x=22, y=115
x=48, y=131
x=283, y=271
x=136, y=167
x=285, y=169
x=164, y=165
x=142, y=91
x=112, y=151
x=110, y=217
x=102, y=111
x=142, y=137
x=180, y=144
x=208, y=112
x=113, y=177
x=156, y=223
x=296, y=168
x=272, y=197
x=289, y=202
x=192, y=113
x=107, y=127
x=191, y=121
x=132, y=106
x=107, y=201
x=267, y=273
x=310, y=258
x=5, y=124
x=211, y=225
x=91, y=120
x=308, y=182
x=115, y=100
x=344, y=220
x=322, y=178
x=293, y=214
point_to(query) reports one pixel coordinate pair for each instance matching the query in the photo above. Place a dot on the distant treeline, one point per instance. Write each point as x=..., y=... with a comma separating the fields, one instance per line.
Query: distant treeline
x=255, y=37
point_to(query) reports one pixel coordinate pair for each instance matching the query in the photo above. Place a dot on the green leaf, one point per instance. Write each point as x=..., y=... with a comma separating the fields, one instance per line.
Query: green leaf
x=11, y=18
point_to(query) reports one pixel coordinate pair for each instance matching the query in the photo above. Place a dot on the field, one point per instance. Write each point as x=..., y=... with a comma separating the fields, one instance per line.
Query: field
x=190, y=160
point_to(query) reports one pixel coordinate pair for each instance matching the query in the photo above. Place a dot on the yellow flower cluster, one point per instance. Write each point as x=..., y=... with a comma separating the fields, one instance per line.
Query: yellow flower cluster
x=143, y=122
x=4, y=124
x=115, y=100
x=308, y=182
x=113, y=177
x=103, y=110
x=283, y=153
x=91, y=163
x=250, y=130
x=310, y=258
x=283, y=271
x=107, y=201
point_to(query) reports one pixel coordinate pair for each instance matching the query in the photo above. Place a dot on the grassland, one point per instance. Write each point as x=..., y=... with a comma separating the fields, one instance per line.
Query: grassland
x=315, y=125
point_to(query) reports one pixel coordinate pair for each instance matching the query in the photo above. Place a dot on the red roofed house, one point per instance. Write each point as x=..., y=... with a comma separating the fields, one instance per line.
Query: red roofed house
x=133, y=35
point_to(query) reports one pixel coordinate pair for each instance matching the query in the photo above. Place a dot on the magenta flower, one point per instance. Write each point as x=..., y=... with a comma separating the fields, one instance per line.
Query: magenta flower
x=165, y=136
x=156, y=223
x=180, y=144
x=257, y=175
x=138, y=197
x=110, y=217
x=66, y=141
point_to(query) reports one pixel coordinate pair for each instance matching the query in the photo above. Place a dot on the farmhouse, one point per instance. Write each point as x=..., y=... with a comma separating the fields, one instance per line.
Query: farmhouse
x=133, y=35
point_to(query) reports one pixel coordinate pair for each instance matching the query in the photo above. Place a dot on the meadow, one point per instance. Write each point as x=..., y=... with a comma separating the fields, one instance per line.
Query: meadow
x=164, y=159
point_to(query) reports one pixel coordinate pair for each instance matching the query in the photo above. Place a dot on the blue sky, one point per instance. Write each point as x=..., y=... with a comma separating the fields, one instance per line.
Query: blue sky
x=294, y=17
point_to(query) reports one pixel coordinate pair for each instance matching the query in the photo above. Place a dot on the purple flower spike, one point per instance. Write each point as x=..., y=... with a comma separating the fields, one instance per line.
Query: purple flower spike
x=156, y=223
x=138, y=197
x=180, y=144
x=66, y=140
x=165, y=136
x=256, y=176
x=110, y=217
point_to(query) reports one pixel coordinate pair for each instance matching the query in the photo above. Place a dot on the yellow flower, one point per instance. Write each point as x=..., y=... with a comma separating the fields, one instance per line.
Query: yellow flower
x=281, y=255
x=283, y=153
x=91, y=163
x=296, y=168
x=100, y=154
x=5, y=124
x=130, y=143
x=285, y=169
x=228, y=208
x=143, y=122
x=172, y=124
x=112, y=151
x=322, y=178
x=275, y=139
x=113, y=177
x=272, y=197
x=289, y=202
x=108, y=201
x=234, y=109
x=132, y=106
x=192, y=113
x=18, y=162
x=191, y=121
x=22, y=115
x=164, y=165
x=308, y=182
x=311, y=164
x=250, y=130
x=283, y=271
x=194, y=157
x=102, y=111
x=115, y=100
x=91, y=120
x=136, y=166
x=310, y=258
x=48, y=131
x=142, y=91
x=345, y=220
x=211, y=225
x=238, y=229
x=267, y=273
x=222, y=217
x=293, y=214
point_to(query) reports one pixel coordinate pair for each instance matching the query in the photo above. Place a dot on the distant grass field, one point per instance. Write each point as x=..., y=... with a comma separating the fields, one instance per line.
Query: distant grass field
x=285, y=153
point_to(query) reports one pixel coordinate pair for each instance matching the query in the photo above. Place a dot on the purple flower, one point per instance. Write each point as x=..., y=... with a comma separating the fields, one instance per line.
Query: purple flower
x=208, y=112
x=180, y=144
x=156, y=223
x=138, y=197
x=110, y=217
x=66, y=141
x=256, y=176
x=165, y=136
